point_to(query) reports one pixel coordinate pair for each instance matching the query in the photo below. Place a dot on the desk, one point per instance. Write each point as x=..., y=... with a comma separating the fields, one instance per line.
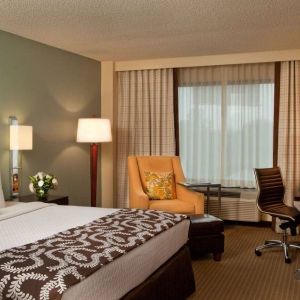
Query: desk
x=198, y=187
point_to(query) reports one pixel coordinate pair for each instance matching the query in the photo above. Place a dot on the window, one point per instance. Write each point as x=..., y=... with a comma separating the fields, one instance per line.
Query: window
x=226, y=126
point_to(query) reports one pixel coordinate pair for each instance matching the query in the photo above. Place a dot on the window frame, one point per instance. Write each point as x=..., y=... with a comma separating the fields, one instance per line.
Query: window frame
x=276, y=111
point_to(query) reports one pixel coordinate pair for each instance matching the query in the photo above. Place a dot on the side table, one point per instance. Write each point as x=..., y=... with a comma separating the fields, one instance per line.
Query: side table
x=198, y=187
x=60, y=200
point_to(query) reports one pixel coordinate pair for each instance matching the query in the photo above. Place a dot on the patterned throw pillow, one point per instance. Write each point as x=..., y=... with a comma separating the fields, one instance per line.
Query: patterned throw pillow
x=159, y=185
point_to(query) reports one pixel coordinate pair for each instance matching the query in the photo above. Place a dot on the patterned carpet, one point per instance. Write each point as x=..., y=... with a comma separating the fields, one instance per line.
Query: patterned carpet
x=241, y=275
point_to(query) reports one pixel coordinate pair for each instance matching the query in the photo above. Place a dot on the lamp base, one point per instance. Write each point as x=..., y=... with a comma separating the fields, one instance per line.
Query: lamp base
x=14, y=183
x=93, y=166
x=14, y=166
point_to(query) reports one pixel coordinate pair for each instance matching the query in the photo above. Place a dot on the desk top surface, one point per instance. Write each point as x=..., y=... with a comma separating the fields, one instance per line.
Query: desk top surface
x=194, y=183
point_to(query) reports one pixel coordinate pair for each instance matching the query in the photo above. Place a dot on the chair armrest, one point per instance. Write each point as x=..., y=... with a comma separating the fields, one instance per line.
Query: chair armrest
x=137, y=196
x=193, y=197
x=139, y=200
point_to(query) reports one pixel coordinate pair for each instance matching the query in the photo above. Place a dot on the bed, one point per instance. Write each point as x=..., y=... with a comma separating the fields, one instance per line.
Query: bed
x=159, y=268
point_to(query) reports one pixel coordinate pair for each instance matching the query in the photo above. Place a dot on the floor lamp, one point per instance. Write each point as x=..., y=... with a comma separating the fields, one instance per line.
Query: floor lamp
x=93, y=131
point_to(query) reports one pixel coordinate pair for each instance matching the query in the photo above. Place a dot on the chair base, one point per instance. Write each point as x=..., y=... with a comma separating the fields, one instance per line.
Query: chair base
x=269, y=244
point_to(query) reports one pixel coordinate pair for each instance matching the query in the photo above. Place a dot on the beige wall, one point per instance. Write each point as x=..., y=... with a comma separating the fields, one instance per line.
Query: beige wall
x=49, y=89
x=209, y=60
x=108, y=85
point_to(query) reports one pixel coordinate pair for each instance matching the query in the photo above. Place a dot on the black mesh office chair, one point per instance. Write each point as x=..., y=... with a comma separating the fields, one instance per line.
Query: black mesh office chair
x=270, y=200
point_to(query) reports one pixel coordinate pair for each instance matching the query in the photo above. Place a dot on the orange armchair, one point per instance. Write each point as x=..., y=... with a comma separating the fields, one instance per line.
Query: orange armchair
x=186, y=202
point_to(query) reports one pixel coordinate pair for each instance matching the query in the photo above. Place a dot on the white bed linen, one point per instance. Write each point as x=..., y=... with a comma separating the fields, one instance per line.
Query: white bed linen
x=111, y=281
x=28, y=222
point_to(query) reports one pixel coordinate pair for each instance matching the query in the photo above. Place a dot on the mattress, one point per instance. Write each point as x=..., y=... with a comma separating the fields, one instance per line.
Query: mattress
x=28, y=222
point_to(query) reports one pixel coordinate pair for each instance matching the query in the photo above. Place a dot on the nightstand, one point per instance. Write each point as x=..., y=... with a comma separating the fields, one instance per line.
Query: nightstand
x=61, y=200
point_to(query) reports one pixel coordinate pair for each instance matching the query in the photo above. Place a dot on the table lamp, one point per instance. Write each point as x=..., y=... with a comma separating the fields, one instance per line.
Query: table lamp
x=93, y=131
x=20, y=139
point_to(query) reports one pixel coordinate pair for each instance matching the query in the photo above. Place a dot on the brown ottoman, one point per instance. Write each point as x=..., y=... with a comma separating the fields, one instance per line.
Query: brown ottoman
x=206, y=235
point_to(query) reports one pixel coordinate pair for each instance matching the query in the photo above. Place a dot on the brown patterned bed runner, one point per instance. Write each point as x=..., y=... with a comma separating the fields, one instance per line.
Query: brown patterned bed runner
x=46, y=268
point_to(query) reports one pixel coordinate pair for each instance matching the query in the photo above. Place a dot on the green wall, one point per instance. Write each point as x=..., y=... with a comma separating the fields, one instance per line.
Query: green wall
x=49, y=89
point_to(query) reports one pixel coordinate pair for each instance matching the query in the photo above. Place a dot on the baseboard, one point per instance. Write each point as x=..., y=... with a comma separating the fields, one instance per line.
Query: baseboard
x=247, y=223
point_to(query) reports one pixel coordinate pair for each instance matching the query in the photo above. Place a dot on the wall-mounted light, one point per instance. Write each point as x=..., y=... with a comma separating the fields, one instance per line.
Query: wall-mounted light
x=93, y=131
x=20, y=139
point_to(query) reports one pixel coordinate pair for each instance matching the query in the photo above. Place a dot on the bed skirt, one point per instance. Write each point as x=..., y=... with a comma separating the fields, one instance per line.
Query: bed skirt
x=173, y=280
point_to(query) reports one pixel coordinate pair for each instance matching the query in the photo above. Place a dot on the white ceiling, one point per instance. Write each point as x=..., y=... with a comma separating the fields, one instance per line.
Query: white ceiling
x=144, y=29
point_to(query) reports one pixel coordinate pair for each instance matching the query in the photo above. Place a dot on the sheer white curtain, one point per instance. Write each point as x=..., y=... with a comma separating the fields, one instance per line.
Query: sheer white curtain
x=226, y=122
x=145, y=120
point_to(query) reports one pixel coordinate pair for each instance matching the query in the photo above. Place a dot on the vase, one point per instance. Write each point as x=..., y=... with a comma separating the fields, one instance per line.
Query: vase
x=41, y=195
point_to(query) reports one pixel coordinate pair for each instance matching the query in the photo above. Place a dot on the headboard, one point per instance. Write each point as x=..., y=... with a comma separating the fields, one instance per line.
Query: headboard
x=2, y=202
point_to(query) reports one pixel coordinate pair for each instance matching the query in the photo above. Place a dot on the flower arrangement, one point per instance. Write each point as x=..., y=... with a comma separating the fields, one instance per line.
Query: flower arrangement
x=41, y=183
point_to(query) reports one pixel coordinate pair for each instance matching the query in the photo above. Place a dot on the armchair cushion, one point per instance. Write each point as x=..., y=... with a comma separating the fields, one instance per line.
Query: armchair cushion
x=174, y=206
x=159, y=185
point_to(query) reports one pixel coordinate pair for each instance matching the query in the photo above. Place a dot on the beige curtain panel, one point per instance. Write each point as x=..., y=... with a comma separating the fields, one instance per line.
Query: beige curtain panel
x=289, y=128
x=261, y=72
x=145, y=120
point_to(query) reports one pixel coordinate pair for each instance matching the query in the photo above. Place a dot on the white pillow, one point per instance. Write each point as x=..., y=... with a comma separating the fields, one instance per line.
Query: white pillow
x=2, y=202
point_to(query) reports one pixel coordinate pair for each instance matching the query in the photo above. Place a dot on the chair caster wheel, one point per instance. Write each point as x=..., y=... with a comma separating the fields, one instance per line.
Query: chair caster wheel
x=258, y=253
x=288, y=260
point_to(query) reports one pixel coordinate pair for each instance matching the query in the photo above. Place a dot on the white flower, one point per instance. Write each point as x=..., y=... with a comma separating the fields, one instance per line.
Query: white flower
x=40, y=175
x=31, y=188
x=54, y=181
x=41, y=183
x=48, y=176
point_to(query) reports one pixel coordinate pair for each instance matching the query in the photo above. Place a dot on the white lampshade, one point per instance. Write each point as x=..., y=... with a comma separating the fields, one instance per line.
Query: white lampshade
x=20, y=137
x=93, y=130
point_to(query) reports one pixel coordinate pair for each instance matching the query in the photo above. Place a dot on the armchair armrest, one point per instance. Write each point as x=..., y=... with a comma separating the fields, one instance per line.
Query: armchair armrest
x=193, y=197
x=138, y=200
x=137, y=197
